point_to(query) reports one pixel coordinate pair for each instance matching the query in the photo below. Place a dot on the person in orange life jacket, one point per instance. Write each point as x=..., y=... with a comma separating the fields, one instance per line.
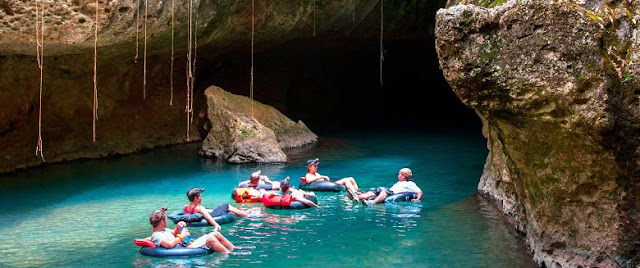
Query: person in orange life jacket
x=298, y=195
x=195, y=198
x=167, y=238
x=257, y=180
x=405, y=184
x=348, y=182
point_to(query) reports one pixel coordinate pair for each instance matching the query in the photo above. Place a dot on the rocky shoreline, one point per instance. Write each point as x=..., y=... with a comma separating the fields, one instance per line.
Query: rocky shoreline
x=556, y=95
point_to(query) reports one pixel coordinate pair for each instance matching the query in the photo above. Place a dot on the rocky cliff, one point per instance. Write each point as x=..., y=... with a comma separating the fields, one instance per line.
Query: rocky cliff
x=556, y=86
x=127, y=122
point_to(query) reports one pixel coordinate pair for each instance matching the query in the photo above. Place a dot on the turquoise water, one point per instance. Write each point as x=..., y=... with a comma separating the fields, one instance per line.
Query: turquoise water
x=87, y=213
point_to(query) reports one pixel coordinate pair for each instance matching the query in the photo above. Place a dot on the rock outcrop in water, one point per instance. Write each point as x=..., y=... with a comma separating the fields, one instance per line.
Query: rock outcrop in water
x=239, y=137
x=556, y=86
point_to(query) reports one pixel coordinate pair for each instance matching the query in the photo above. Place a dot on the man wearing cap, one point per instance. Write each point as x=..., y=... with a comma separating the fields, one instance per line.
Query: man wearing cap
x=195, y=199
x=167, y=238
x=260, y=182
x=348, y=182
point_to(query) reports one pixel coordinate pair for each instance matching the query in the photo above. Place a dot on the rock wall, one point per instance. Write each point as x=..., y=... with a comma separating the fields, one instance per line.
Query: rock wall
x=242, y=131
x=555, y=84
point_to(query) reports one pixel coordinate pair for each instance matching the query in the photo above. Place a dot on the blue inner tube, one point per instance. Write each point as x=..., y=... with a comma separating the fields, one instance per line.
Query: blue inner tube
x=297, y=204
x=197, y=220
x=178, y=251
x=321, y=186
x=261, y=186
x=401, y=197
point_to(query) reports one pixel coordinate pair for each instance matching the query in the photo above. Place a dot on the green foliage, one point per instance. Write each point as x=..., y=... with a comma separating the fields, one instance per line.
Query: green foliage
x=626, y=78
x=468, y=18
x=246, y=132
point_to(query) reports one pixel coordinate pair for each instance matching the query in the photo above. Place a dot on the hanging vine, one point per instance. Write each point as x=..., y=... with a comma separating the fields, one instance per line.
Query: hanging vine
x=135, y=60
x=353, y=11
x=40, y=61
x=195, y=56
x=189, y=102
x=381, y=36
x=144, y=80
x=253, y=21
x=172, y=55
x=95, y=72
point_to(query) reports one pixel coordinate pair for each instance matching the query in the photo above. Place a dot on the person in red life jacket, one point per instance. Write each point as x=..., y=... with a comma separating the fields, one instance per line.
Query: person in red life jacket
x=296, y=195
x=405, y=184
x=259, y=181
x=348, y=182
x=195, y=198
x=167, y=238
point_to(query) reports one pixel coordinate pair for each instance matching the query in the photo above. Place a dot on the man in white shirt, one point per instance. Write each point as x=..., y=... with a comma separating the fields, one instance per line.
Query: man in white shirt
x=405, y=184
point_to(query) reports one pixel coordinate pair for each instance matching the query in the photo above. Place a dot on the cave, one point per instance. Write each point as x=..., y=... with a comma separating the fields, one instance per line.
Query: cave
x=536, y=100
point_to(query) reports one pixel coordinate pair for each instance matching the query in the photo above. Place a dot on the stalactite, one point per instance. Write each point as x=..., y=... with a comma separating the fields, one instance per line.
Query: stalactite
x=253, y=21
x=172, y=51
x=314, y=18
x=135, y=60
x=95, y=73
x=40, y=61
x=144, y=79
x=381, y=36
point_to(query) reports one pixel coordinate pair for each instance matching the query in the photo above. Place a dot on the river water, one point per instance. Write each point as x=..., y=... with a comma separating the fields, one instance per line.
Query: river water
x=86, y=213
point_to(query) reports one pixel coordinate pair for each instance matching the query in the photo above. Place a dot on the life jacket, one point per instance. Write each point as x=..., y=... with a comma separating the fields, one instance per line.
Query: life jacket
x=272, y=199
x=246, y=195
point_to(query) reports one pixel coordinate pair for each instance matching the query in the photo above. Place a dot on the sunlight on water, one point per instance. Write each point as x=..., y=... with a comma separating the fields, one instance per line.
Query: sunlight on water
x=87, y=213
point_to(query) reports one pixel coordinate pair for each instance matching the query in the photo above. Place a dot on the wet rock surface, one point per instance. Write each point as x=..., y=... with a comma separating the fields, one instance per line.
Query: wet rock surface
x=557, y=97
x=242, y=131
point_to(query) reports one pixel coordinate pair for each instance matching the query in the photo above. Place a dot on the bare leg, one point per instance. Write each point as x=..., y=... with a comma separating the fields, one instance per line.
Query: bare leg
x=353, y=182
x=213, y=242
x=366, y=195
x=380, y=198
x=347, y=183
x=223, y=240
x=237, y=211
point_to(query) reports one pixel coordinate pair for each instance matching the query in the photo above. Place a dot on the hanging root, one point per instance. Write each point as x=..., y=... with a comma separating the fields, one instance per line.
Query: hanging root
x=193, y=69
x=253, y=19
x=353, y=12
x=189, y=102
x=381, y=36
x=135, y=60
x=171, y=74
x=144, y=79
x=95, y=72
x=40, y=60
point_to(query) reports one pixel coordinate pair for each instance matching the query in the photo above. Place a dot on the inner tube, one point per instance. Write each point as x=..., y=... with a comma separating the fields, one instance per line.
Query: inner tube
x=178, y=251
x=261, y=186
x=197, y=220
x=321, y=186
x=401, y=197
x=273, y=202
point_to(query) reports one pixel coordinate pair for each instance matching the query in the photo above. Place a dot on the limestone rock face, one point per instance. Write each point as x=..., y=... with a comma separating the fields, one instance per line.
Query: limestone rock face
x=237, y=136
x=560, y=109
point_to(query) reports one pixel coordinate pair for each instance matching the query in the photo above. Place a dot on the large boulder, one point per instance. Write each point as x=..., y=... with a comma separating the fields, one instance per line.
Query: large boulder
x=242, y=131
x=551, y=84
